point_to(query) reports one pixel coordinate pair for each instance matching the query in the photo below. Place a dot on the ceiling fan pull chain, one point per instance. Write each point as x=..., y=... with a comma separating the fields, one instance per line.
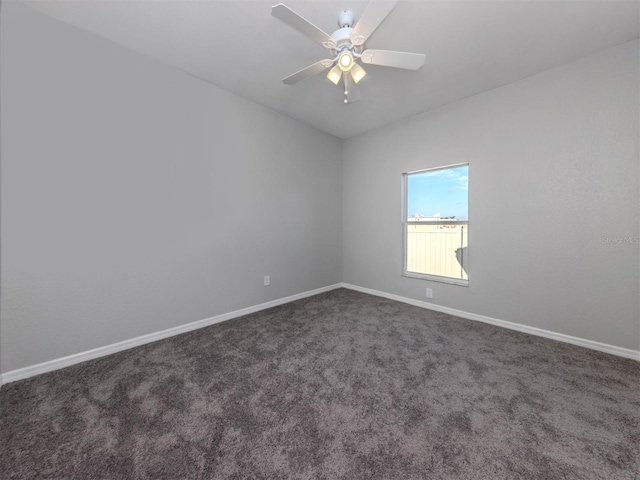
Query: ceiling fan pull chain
x=346, y=89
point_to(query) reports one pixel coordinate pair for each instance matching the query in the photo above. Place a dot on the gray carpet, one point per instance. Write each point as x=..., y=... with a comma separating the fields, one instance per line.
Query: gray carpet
x=337, y=386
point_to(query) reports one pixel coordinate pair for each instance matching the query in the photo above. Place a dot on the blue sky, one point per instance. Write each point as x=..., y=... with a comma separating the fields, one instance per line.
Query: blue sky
x=439, y=191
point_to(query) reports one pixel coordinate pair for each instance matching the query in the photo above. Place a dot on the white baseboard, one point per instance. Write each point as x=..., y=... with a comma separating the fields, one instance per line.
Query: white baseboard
x=74, y=359
x=58, y=363
x=582, y=342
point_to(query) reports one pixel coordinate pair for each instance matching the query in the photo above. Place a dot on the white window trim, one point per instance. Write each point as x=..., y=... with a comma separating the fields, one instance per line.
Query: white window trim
x=424, y=276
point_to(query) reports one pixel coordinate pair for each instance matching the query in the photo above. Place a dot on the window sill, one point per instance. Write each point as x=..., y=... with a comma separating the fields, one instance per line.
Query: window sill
x=435, y=278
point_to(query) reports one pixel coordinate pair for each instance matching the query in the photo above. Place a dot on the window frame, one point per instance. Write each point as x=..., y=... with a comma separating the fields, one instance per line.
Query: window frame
x=405, y=223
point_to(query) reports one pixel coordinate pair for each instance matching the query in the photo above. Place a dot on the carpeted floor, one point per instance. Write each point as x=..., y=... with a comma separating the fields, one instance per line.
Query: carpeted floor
x=337, y=386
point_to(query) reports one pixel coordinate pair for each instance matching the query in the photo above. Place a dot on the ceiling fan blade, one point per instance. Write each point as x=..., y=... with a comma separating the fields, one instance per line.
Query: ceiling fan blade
x=307, y=72
x=387, y=58
x=301, y=24
x=372, y=17
x=353, y=92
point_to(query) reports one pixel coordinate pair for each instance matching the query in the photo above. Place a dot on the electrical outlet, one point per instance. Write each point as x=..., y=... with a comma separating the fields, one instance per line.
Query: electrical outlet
x=429, y=292
x=267, y=280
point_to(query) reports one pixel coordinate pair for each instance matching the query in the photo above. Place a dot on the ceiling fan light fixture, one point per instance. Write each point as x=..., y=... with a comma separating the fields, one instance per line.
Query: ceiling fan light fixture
x=357, y=73
x=346, y=47
x=334, y=74
x=345, y=61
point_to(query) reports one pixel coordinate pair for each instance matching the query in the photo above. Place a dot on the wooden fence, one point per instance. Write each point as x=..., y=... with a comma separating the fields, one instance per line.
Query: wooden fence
x=438, y=250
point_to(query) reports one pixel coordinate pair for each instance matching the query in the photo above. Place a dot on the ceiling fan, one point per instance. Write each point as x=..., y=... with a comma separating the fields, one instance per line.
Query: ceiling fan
x=346, y=47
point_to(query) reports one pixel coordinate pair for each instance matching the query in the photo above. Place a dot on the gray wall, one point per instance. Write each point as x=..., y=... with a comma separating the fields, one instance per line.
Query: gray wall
x=136, y=198
x=553, y=171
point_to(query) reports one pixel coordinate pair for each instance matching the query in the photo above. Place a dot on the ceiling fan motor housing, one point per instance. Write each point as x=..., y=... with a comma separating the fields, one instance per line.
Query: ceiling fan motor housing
x=342, y=36
x=343, y=41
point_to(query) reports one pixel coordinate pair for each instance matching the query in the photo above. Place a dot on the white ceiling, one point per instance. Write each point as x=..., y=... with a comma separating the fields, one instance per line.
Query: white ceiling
x=470, y=47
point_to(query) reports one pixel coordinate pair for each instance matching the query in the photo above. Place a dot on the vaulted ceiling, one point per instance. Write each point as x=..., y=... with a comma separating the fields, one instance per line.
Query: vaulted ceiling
x=470, y=47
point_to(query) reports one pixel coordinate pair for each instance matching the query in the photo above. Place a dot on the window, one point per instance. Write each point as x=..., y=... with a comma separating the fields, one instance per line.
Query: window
x=436, y=224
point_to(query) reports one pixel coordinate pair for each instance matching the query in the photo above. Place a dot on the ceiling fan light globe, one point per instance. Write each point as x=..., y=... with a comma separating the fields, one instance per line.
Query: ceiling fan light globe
x=334, y=75
x=345, y=61
x=357, y=73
